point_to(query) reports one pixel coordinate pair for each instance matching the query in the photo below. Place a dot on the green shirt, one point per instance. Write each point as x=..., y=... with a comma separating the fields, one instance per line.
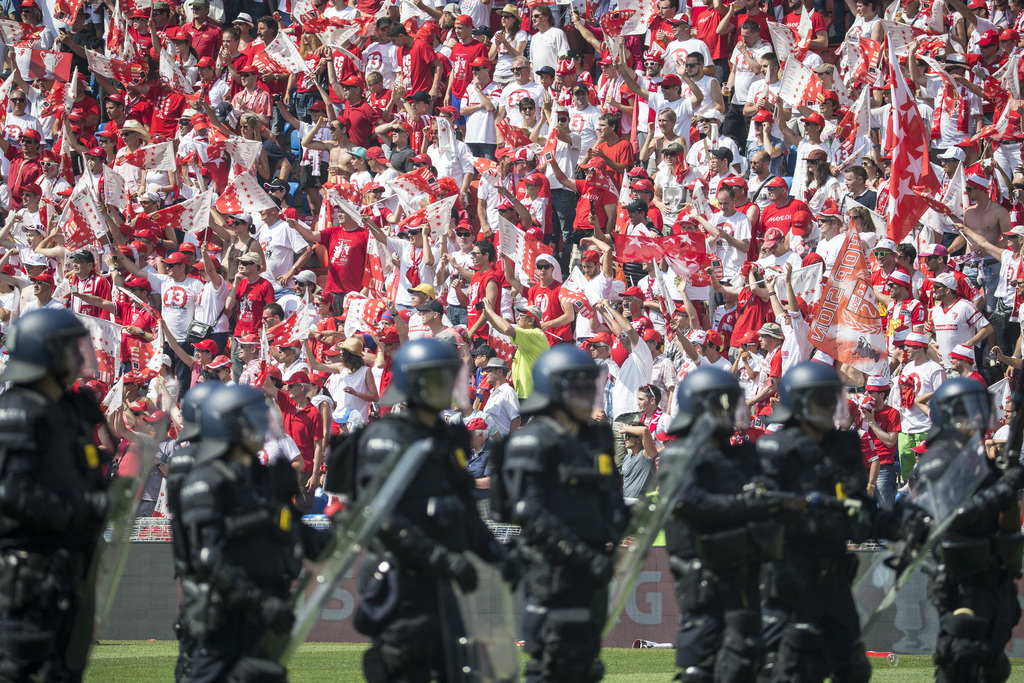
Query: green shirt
x=531, y=344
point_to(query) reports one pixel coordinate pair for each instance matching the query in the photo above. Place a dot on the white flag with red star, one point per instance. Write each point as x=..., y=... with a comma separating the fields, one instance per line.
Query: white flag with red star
x=955, y=196
x=520, y=247
x=174, y=77
x=81, y=221
x=158, y=157
x=115, y=191
x=106, y=340
x=190, y=216
x=910, y=165
x=114, y=69
x=285, y=53
x=799, y=86
x=243, y=152
x=361, y=313
x=244, y=195
x=17, y=34
x=294, y=328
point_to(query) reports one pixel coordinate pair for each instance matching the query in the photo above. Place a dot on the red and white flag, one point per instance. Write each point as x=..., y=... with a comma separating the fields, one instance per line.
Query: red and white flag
x=806, y=283
x=514, y=137
x=106, y=341
x=5, y=98
x=293, y=328
x=243, y=152
x=688, y=258
x=190, y=216
x=799, y=86
x=854, y=124
x=910, y=165
x=637, y=249
x=244, y=195
x=413, y=188
x=668, y=304
x=114, y=398
x=46, y=64
x=17, y=34
x=115, y=69
x=847, y=325
x=147, y=355
x=786, y=43
x=81, y=221
x=173, y=76
x=643, y=12
x=361, y=313
x=285, y=54
x=115, y=191
x=438, y=216
x=66, y=10
x=867, y=69
x=158, y=157
x=522, y=249
x=955, y=196
x=575, y=290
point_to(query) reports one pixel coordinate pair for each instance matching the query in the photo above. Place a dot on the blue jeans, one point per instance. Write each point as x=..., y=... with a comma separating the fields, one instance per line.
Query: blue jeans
x=885, y=486
x=563, y=212
x=458, y=315
x=988, y=277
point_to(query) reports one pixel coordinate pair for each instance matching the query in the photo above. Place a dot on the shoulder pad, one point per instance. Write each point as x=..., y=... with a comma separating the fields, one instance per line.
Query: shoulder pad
x=20, y=411
x=181, y=461
x=199, y=494
x=770, y=443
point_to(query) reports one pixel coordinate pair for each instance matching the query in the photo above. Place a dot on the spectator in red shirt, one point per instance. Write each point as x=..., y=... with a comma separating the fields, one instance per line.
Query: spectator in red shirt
x=84, y=280
x=463, y=53
x=346, y=256
x=616, y=152
x=779, y=214
x=251, y=293
x=205, y=35
x=881, y=427
x=719, y=45
x=596, y=200
x=557, y=314
x=24, y=168
x=357, y=114
x=420, y=67
x=303, y=423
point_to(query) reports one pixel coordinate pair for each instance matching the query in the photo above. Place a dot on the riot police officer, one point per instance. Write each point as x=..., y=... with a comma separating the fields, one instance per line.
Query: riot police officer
x=244, y=538
x=974, y=588
x=717, y=535
x=408, y=602
x=178, y=467
x=812, y=629
x=566, y=494
x=52, y=500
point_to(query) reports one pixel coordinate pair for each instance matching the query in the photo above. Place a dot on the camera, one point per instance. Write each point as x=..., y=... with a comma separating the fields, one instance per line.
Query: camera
x=479, y=306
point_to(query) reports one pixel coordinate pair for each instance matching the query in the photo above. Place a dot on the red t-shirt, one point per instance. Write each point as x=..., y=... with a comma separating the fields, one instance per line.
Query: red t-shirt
x=87, y=106
x=346, y=254
x=169, y=106
x=477, y=292
x=461, y=57
x=546, y=298
x=587, y=191
x=304, y=425
x=252, y=297
x=205, y=39
x=359, y=120
x=130, y=314
x=706, y=29
x=621, y=153
x=888, y=418
x=781, y=218
x=415, y=61
x=96, y=286
x=817, y=23
x=762, y=24
x=751, y=312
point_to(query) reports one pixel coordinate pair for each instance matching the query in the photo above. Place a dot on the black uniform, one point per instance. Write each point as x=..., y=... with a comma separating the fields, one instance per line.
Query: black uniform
x=809, y=613
x=178, y=468
x=975, y=588
x=245, y=544
x=567, y=495
x=51, y=493
x=407, y=604
x=716, y=539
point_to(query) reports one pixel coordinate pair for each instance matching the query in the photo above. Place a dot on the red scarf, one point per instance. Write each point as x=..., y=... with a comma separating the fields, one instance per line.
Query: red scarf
x=947, y=102
x=413, y=274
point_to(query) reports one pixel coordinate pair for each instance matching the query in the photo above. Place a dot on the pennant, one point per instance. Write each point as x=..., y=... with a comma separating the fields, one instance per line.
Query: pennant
x=514, y=137
x=46, y=64
x=173, y=76
x=637, y=249
x=244, y=195
x=144, y=305
x=243, y=152
x=158, y=157
x=688, y=258
x=115, y=69
x=293, y=328
x=445, y=136
x=115, y=396
x=1007, y=76
x=190, y=216
x=106, y=341
x=910, y=164
x=847, y=325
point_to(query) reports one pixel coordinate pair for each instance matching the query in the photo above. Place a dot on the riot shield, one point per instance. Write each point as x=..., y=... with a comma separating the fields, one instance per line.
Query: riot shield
x=108, y=560
x=486, y=651
x=350, y=534
x=941, y=498
x=648, y=517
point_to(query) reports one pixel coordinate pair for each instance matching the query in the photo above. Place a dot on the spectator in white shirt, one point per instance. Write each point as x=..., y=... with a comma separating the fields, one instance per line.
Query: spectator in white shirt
x=502, y=409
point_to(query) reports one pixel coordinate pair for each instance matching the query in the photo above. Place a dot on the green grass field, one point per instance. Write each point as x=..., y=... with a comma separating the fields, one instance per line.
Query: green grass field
x=143, y=662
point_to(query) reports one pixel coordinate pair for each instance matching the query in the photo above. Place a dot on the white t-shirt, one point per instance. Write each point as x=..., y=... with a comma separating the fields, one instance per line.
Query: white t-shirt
x=381, y=57
x=454, y=166
x=914, y=381
x=546, y=47
x=177, y=301
x=955, y=325
x=280, y=243
x=407, y=257
x=480, y=124
x=683, y=109
x=503, y=67
x=566, y=156
x=676, y=52
x=210, y=303
x=584, y=123
x=737, y=225
x=745, y=76
x=635, y=372
x=513, y=93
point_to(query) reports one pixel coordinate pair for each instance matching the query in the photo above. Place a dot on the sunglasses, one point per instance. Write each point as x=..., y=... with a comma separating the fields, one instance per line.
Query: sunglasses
x=463, y=234
x=544, y=266
x=527, y=108
x=517, y=69
x=563, y=119
x=478, y=68
x=16, y=100
x=48, y=164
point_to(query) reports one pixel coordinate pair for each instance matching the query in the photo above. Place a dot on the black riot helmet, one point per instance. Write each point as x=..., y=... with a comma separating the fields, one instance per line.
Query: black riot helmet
x=425, y=374
x=709, y=390
x=812, y=393
x=49, y=341
x=564, y=376
x=962, y=404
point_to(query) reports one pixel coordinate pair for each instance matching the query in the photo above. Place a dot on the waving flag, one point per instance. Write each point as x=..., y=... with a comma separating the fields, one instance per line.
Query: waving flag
x=518, y=246
x=115, y=69
x=413, y=188
x=81, y=221
x=190, y=216
x=689, y=257
x=437, y=215
x=667, y=304
x=46, y=64
x=637, y=249
x=172, y=75
x=643, y=12
x=243, y=152
x=955, y=196
x=106, y=341
x=575, y=290
x=67, y=10
x=910, y=164
x=286, y=55
x=115, y=192
x=806, y=283
x=293, y=328
x=846, y=324
x=17, y=34
x=158, y=157
x=244, y=195
x=361, y=313
x=514, y=137
x=799, y=86
x=854, y=124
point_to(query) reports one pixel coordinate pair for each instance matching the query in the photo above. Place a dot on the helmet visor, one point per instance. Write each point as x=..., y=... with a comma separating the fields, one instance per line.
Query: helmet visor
x=78, y=359
x=825, y=407
x=968, y=413
x=583, y=391
x=259, y=423
x=728, y=409
x=438, y=387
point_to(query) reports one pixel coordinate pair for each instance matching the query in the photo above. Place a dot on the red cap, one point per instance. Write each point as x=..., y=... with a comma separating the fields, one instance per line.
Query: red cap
x=989, y=37
x=247, y=69
x=389, y=335
x=464, y=20
x=800, y=221
x=652, y=335
x=601, y=338
x=46, y=154
x=1010, y=34
x=45, y=278
x=763, y=116
x=33, y=188
x=481, y=61
x=814, y=118
x=138, y=283
x=420, y=159
x=96, y=152
x=299, y=377
x=595, y=163
x=352, y=81
x=205, y=62
x=187, y=246
x=477, y=423
x=200, y=122
x=274, y=372
x=32, y=134
x=733, y=181
x=448, y=109
x=671, y=80
x=377, y=154
x=207, y=345
x=635, y=291
x=219, y=362
x=643, y=186
x=831, y=95
x=592, y=256
x=176, y=257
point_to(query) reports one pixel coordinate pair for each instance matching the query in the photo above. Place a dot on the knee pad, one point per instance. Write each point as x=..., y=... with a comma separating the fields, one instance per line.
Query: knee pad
x=406, y=641
x=742, y=649
x=801, y=656
x=255, y=670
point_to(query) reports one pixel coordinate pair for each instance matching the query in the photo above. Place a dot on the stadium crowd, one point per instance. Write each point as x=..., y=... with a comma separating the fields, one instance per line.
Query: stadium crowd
x=282, y=196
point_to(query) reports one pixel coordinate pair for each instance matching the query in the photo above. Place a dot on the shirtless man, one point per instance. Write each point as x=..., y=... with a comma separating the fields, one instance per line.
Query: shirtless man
x=990, y=220
x=340, y=163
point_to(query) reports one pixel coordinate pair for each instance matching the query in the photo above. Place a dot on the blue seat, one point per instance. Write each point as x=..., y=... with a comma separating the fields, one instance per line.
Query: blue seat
x=294, y=141
x=791, y=161
x=789, y=181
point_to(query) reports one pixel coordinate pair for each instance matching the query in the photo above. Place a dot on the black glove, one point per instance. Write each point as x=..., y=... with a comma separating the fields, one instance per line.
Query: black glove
x=462, y=572
x=510, y=570
x=276, y=614
x=915, y=527
x=1014, y=478
x=601, y=568
x=97, y=502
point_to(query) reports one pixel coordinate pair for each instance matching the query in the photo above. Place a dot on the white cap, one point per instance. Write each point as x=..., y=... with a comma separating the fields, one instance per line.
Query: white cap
x=306, y=276
x=953, y=153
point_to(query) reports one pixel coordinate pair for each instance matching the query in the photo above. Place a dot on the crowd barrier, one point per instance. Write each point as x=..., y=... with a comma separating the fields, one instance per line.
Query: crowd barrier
x=145, y=605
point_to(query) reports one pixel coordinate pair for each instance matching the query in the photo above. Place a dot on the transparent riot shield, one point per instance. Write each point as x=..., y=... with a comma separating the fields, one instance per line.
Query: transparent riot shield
x=648, y=517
